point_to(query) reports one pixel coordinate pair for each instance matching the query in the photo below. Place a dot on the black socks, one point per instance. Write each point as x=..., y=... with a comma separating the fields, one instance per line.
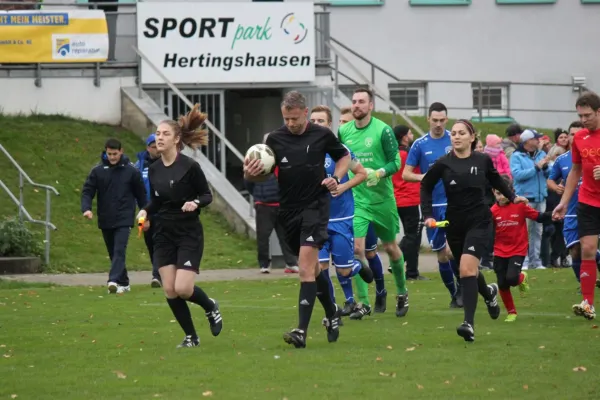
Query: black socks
x=324, y=294
x=182, y=314
x=483, y=288
x=469, y=287
x=201, y=298
x=306, y=302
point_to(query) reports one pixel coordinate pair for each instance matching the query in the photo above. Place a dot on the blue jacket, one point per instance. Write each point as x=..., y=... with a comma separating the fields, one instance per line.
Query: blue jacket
x=529, y=181
x=264, y=192
x=118, y=188
x=142, y=164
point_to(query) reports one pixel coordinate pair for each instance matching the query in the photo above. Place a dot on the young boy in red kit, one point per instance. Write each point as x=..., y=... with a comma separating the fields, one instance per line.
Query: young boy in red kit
x=511, y=246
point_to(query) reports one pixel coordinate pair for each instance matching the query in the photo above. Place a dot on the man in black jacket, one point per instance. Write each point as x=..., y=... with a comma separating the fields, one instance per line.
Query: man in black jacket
x=119, y=186
x=266, y=205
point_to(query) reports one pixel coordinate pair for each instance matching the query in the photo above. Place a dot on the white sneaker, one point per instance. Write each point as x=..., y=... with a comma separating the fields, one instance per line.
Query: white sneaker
x=540, y=267
x=112, y=287
x=123, y=289
x=291, y=270
x=265, y=270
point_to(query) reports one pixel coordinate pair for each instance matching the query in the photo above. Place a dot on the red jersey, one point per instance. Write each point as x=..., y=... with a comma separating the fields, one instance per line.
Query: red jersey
x=586, y=151
x=406, y=193
x=511, y=229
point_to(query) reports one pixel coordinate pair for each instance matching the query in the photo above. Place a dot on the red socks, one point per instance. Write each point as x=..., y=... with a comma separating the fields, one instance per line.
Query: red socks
x=587, y=275
x=507, y=299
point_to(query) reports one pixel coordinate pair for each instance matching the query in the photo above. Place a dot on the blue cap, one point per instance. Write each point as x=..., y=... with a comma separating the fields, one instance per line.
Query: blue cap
x=151, y=139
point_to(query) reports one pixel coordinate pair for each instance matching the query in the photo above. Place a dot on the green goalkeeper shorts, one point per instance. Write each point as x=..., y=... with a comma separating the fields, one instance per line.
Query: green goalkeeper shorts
x=383, y=216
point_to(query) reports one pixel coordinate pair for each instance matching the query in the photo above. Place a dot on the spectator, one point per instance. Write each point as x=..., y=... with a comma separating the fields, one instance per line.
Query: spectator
x=545, y=144
x=511, y=142
x=529, y=168
x=493, y=149
x=119, y=186
x=561, y=138
x=553, y=249
x=266, y=205
x=145, y=159
x=408, y=198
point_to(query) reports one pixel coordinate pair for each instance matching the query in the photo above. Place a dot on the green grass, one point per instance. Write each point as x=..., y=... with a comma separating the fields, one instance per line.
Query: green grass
x=484, y=128
x=123, y=347
x=60, y=152
x=10, y=284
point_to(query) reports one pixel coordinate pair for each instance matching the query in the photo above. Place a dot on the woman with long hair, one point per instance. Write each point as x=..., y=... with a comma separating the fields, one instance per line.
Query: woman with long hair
x=178, y=191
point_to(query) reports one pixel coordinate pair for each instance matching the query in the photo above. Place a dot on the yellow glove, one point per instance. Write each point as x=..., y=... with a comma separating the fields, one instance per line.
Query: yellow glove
x=373, y=176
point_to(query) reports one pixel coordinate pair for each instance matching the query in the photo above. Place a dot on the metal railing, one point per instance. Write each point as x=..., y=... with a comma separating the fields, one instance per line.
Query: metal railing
x=20, y=202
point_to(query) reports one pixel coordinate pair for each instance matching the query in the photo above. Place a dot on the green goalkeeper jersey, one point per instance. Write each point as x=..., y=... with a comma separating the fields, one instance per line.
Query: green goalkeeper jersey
x=376, y=147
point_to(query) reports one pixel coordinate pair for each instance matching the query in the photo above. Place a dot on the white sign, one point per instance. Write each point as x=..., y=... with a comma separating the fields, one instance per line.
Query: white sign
x=227, y=42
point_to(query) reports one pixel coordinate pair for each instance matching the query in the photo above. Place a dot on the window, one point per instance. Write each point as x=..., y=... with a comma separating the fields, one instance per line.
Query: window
x=494, y=100
x=408, y=97
x=440, y=2
x=525, y=1
x=357, y=2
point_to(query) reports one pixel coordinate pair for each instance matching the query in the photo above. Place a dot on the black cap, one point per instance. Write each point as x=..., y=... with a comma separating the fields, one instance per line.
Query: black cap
x=400, y=131
x=514, y=129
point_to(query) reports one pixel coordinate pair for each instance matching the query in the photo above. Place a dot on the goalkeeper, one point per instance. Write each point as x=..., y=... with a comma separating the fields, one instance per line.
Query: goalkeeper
x=375, y=146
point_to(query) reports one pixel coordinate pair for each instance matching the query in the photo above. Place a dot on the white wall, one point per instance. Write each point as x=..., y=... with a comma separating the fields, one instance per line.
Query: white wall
x=75, y=97
x=483, y=41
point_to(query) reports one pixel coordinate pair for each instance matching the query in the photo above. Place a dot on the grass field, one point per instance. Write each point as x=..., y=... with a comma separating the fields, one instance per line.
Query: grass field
x=123, y=347
x=60, y=152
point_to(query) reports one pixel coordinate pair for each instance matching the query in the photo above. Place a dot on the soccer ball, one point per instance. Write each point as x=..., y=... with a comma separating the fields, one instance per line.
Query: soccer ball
x=263, y=153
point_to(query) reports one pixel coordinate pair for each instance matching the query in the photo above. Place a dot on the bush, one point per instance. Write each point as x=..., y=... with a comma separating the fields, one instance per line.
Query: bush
x=16, y=240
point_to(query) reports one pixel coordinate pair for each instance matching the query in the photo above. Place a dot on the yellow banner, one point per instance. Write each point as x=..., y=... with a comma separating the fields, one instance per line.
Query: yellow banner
x=53, y=36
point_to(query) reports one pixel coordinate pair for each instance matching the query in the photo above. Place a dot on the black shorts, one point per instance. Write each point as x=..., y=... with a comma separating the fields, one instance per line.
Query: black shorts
x=588, y=220
x=179, y=243
x=508, y=270
x=473, y=239
x=306, y=226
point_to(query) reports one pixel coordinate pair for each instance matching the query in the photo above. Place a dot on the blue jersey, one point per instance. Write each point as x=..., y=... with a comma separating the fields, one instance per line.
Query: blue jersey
x=559, y=173
x=341, y=207
x=423, y=153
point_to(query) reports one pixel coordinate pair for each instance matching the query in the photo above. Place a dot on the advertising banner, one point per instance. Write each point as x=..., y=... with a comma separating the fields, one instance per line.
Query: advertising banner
x=53, y=36
x=227, y=42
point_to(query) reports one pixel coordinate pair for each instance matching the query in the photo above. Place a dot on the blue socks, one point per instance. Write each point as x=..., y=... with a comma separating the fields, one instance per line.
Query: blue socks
x=377, y=268
x=346, y=284
x=576, y=265
x=447, y=274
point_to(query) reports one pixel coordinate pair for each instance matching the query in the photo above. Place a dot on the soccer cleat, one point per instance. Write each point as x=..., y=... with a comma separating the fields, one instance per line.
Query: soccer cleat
x=381, y=302
x=510, y=318
x=297, y=337
x=524, y=286
x=466, y=332
x=349, y=308
x=155, y=283
x=215, y=319
x=294, y=269
x=123, y=289
x=585, y=310
x=360, y=311
x=454, y=303
x=401, y=305
x=265, y=270
x=112, y=287
x=189, y=341
x=366, y=273
x=492, y=305
x=333, y=325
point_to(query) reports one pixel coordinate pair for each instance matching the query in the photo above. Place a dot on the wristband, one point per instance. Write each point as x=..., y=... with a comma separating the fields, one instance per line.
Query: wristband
x=380, y=173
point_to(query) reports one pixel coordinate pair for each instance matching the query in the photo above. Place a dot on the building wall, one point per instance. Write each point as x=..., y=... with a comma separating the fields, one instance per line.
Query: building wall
x=543, y=43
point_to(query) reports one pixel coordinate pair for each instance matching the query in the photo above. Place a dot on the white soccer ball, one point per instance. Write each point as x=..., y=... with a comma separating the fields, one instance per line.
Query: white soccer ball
x=263, y=153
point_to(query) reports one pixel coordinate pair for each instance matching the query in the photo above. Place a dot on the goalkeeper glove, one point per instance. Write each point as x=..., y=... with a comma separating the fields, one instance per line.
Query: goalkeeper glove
x=373, y=176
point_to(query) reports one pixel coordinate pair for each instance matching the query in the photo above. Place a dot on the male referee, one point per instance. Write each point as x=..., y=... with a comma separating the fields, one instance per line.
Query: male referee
x=300, y=148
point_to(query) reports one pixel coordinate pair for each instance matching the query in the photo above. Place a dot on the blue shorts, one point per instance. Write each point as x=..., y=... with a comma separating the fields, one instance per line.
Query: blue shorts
x=371, y=239
x=570, y=232
x=437, y=236
x=339, y=246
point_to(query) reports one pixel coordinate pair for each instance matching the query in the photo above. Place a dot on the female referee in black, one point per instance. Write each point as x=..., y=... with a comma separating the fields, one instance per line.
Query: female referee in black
x=178, y=191
x=465, y=174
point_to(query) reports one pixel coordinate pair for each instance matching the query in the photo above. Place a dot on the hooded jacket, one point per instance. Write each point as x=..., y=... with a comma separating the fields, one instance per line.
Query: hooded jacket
x=118, y=188
x=528, y=179
x=143, y=163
